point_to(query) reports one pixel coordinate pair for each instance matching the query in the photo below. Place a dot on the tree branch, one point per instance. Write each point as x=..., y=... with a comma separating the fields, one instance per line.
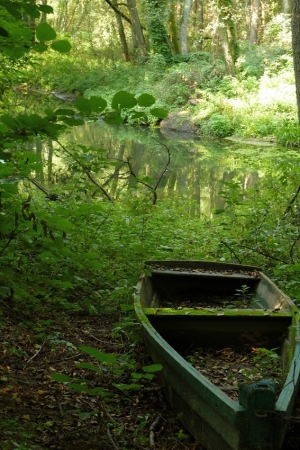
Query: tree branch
x=118, y=11
x=289, y=206
x=144, y=183
x=87, y=172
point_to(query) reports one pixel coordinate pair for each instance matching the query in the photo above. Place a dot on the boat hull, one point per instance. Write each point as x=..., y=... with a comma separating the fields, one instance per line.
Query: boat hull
x=257, y=420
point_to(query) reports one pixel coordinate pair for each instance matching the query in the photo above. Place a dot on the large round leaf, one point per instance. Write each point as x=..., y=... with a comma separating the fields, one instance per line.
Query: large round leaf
x=97, y=104
x=160, y=113
x=113, y=119
x=146, y=100
x=123, y=100
x=83, y=105
x=44, y=32
x=61, y=46
x=40, y=47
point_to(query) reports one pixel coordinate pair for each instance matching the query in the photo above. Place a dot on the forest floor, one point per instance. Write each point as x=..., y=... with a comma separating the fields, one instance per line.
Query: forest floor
x=40, y=413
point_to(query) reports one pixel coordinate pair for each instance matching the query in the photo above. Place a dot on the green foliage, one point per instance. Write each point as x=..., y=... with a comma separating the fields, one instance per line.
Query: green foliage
x=288, y=133
x=18, y=38
x=120, y=367
x=218, y=125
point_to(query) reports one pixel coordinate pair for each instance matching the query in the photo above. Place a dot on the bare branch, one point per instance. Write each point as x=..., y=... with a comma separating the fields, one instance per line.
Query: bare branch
x=87, y=172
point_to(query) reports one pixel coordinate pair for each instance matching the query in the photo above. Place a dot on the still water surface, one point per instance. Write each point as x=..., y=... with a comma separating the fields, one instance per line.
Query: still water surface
x=198, y=167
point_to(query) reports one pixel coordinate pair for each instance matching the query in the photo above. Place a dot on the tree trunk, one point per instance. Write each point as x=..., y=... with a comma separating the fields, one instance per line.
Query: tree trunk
x=228, y=59
x=286, y=6
x=227, y=36
x=173, y=29
x=136, y=27
x=184, y=27
x=125, y=51
x=296, y=48
x=254, y=20
x=44, y=15
x=199, y=22
x=157, y=31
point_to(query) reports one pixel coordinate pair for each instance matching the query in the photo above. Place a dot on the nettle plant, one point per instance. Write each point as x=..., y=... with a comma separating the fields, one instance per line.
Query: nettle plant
x=117, y=367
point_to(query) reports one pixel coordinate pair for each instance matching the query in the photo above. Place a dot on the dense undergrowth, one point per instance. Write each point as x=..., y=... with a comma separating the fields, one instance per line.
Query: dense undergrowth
x=259, y=101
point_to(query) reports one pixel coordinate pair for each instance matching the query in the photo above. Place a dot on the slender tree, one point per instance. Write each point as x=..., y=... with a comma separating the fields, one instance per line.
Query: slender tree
x=184, y=26
x=125, y=51
x=136, y=27
x=254, y=20
x=295, y=6
x=227, y=35
x=173, y=27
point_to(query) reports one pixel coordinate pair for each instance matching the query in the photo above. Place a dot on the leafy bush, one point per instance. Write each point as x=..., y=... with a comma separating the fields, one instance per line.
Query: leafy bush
x=219, y=125
x=288, y=133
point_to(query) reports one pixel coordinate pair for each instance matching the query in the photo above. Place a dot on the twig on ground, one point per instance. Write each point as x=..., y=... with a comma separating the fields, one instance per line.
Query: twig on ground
x=152, y=431
x=36, y=353
x=110, y=438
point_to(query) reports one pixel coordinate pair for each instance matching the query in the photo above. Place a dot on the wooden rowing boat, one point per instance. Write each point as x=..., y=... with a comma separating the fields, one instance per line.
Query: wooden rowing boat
x=183, y=304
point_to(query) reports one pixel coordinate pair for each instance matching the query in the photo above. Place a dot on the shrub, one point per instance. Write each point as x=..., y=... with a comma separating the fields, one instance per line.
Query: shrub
x=219, y=126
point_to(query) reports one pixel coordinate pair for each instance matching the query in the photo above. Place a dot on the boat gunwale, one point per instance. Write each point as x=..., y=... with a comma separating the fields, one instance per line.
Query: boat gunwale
x=233, y=406
x=179, y=273
x=292, y=379
x=219, y=312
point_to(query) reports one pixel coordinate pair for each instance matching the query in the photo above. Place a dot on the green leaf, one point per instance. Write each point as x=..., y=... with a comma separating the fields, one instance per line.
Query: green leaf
x=61, y=46
x=124, y=387
x=45, y=9
x=31, y=10
x=40, y=47
x=3, y=128
x=88, y=366
x=97, y=104
x=60, y=223
x=64, y=112
x=146, y=100
x=83, y=105
x=113, y=118
x=5, y=291
x=99, y=391
x=149, y=376
x=33, y=121
x=137, y=376
x=95, y=265
x=8, y=189
x=3, y=32
x=100, y=356
x=61, y=378
x=13, y=9
x=76, y=387
x=123, y=100
x=153, y=368
x=44, y=32
x=10, y=122
x=160, y=113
